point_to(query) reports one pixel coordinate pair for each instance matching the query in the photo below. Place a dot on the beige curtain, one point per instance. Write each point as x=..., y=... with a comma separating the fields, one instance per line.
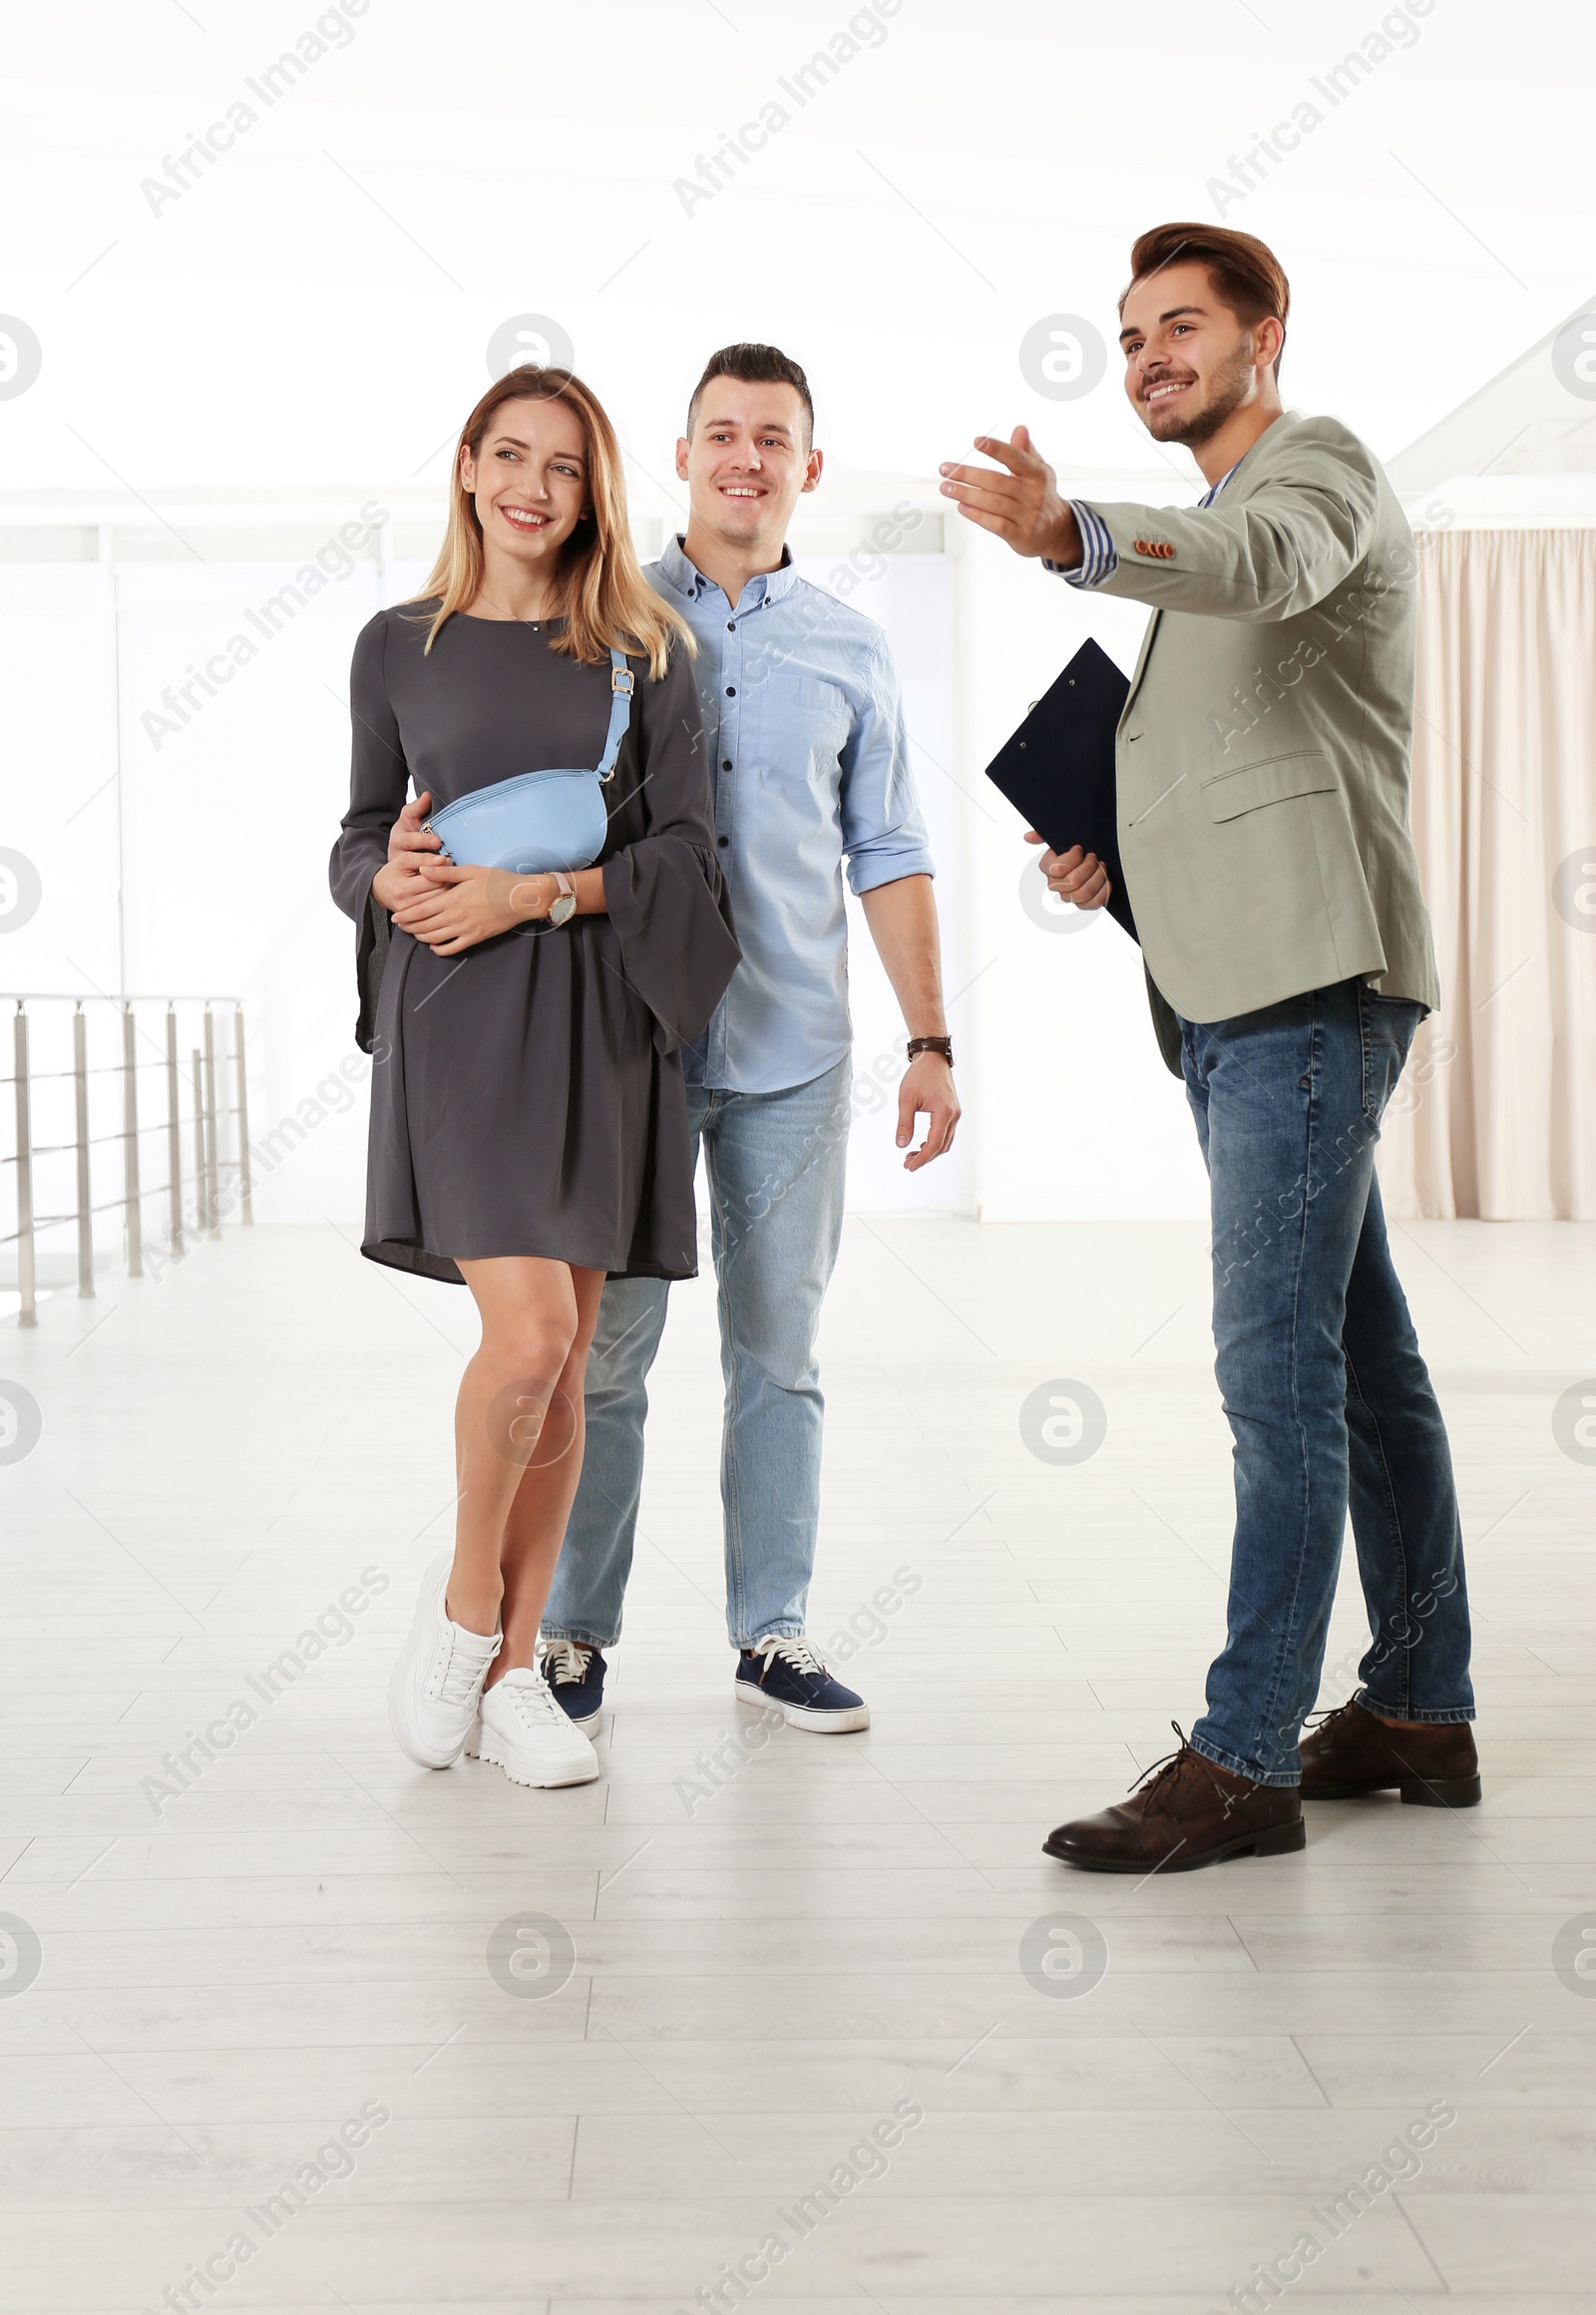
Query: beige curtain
x=1497, y=1113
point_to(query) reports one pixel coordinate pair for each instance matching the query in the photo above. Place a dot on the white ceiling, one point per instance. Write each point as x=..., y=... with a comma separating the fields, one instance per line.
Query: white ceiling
x=319, y=304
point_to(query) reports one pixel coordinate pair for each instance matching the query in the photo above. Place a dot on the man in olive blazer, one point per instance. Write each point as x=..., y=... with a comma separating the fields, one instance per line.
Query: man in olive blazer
x=1261, y=763
x=1277, y=669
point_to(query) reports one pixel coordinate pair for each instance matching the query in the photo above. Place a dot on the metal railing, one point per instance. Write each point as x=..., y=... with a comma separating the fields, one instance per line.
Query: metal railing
x=198, y=1206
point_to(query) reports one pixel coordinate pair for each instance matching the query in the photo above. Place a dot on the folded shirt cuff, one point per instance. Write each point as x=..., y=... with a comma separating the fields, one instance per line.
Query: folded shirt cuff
x=1099, y=559
x=867, y=870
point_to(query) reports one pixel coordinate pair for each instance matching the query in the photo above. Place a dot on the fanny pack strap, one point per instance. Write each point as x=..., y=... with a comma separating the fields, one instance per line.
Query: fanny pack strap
x=621, y=685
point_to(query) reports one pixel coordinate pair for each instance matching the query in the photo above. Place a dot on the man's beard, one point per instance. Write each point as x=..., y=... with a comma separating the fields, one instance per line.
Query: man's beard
x=1227, y=393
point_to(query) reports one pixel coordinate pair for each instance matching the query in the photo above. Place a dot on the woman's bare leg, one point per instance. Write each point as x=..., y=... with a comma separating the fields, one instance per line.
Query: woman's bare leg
x=532, y=1311
x=537, y=1523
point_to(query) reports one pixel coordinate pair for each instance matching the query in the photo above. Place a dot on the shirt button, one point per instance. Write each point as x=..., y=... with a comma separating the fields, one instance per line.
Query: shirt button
x=731, y=691
x=731, y=627
x=722, y=840
x=725, y=763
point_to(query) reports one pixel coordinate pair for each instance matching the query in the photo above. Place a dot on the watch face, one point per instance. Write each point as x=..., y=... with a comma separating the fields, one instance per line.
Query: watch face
x=563, y=908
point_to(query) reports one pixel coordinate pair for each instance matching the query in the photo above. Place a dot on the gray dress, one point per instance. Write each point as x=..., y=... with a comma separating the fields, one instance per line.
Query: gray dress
x=527, y=1095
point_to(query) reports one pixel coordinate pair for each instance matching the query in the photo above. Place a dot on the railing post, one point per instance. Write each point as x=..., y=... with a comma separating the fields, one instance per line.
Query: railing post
x=199, y=1144
x=27, y=1309
x=132, y=1199
x=213, y=1185
x=80, y=1071
x=246, y=1186
x=173, y=1136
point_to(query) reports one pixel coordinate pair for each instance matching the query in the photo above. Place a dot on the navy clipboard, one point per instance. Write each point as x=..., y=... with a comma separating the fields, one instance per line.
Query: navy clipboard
x=1058, y=767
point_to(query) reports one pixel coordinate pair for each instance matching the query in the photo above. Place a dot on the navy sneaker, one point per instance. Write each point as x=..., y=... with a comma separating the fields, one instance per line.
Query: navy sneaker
x=790, y=1676
x=575, y=1676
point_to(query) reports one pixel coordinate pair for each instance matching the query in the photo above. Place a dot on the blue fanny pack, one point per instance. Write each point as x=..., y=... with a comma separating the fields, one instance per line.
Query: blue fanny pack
x=540, y=821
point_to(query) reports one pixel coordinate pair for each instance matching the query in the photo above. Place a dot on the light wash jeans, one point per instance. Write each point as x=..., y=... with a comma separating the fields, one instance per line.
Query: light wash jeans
x=1322, y=1377
x=775, y=1164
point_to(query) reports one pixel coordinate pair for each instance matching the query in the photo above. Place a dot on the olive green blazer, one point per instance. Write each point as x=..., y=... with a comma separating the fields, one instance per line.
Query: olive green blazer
x=1262, y=753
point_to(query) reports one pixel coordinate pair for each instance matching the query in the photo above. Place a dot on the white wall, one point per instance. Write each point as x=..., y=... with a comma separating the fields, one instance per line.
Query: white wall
x=59, y=787
x=913, y=599
x=1077, y=1115
x=58, y=767
x=223, y=827
x=228, y=823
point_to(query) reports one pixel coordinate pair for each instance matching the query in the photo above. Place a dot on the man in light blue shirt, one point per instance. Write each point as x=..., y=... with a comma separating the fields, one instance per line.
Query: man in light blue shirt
x=811, y=770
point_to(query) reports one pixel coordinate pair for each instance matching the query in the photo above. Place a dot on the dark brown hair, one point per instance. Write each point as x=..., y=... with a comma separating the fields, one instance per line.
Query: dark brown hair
x=1245, y=273
x=754, y=365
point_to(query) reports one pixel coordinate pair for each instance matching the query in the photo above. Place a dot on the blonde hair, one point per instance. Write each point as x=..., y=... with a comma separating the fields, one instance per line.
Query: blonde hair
x=604, y=596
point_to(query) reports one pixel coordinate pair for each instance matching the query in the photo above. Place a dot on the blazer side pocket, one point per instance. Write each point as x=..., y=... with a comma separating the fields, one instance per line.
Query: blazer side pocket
x=1305, y=773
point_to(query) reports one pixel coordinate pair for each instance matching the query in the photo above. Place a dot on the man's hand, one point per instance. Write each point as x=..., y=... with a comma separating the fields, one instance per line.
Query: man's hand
x=1022, y=503
x=1074, y=874
x=902, y=915
x=455, y=907
x=927, y=1084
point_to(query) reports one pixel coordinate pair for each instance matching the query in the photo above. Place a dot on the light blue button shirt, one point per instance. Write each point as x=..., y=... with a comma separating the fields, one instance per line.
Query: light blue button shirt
x=810, y=759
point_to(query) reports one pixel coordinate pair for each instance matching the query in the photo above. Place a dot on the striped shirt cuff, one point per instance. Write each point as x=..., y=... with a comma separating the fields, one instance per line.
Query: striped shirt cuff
x=1099, y=558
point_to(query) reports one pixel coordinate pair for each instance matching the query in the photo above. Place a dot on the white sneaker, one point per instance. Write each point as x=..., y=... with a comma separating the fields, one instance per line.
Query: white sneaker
x=437, y=1681
x=523, y=1730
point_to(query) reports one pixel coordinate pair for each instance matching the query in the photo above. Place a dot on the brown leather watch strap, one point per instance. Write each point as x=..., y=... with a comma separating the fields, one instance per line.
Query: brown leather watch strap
x=943, y=1045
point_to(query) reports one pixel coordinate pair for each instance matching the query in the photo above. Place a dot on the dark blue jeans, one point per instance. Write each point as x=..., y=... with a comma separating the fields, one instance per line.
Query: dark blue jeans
x=1327, y=1397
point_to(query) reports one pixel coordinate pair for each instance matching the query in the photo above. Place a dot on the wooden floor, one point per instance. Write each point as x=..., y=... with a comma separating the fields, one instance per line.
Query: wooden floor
x=802, y=1995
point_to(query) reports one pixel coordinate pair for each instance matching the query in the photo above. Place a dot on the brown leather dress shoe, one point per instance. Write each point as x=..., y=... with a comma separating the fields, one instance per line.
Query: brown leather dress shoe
x=1353, y=1752
x=1187, y=1811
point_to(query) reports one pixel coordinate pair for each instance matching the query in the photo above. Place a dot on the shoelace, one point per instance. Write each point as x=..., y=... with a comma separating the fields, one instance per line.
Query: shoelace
x=463, y=1671
x=1174, y=1763
x=1169, y=1765
x=795, y=1652
x=529, y=1700
x=1319, y=1721
x=566, y=1659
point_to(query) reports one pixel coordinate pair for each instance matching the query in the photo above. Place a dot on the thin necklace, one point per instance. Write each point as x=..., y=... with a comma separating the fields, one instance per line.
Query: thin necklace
x=511, y=617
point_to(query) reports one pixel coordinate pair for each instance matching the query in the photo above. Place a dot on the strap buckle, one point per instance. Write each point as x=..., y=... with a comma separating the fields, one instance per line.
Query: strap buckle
x=622, y=679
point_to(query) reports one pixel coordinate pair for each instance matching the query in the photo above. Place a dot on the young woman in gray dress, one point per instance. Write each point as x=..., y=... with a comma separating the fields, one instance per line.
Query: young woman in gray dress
x=529, y=1129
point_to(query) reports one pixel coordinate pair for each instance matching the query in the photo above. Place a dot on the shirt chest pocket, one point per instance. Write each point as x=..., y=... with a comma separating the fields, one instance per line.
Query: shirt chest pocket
x=804, y=723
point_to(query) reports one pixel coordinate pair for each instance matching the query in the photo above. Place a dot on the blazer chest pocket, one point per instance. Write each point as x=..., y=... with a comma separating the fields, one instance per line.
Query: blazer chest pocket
x=1306, y=773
